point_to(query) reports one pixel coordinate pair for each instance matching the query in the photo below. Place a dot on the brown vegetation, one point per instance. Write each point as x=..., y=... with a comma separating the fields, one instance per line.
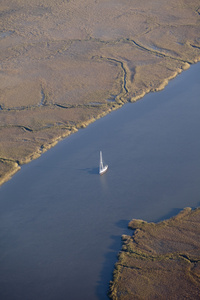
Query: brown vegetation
x=160, y=261
x=62, y=61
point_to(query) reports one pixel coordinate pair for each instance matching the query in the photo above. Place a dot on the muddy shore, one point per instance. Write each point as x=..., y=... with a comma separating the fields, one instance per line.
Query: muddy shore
x=160, y=261
x=65, y=64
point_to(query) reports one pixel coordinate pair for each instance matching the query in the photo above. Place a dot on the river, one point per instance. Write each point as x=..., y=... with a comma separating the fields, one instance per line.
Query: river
x=61, y=223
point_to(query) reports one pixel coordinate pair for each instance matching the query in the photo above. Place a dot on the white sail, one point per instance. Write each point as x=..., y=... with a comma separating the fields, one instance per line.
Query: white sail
x=102, y=168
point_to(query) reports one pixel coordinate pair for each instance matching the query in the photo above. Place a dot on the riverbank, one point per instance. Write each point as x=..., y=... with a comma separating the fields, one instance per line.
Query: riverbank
x=66, y=64
x=160, y=261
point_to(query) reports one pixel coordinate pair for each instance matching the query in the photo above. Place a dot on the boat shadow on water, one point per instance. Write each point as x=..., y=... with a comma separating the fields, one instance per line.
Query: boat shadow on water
x=92, y=171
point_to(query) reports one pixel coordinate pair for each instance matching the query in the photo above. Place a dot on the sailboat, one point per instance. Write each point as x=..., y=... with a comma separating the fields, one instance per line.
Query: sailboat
x=102, y=168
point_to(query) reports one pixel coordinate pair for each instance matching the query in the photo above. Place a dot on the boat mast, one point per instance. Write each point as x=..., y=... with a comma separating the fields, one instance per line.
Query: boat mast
x=102, y=168
x=101, y=162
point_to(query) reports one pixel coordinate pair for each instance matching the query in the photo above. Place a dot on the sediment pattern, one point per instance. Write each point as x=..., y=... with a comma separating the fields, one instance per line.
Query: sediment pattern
x=160, y=261
x=65, y=64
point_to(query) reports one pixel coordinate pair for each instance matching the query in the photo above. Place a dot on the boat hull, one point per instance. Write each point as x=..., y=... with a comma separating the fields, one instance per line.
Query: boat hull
x=102, y=171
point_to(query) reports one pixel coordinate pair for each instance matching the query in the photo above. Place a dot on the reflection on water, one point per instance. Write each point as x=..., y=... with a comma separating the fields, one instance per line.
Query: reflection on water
x=104, y=182
x=91, y=171
x=61, y=223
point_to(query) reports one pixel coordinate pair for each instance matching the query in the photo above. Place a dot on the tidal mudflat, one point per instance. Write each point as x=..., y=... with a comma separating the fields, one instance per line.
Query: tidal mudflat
x=65, y=64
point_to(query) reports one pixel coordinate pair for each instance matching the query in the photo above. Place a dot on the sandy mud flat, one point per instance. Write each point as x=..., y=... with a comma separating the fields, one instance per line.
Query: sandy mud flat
x=65, y=64
x=160, y=261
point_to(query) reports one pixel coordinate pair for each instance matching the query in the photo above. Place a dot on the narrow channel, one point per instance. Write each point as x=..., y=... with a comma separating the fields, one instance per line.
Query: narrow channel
x=61, y=223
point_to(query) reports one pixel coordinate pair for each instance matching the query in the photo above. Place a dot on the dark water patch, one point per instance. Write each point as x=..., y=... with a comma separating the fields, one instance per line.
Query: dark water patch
x=112, y=98
x=42, y=101
x=95, y=103
x=173, y=212
x=6, y=34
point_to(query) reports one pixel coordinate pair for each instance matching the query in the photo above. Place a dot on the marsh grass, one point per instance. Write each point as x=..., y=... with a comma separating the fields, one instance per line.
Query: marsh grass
x=160, y=261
